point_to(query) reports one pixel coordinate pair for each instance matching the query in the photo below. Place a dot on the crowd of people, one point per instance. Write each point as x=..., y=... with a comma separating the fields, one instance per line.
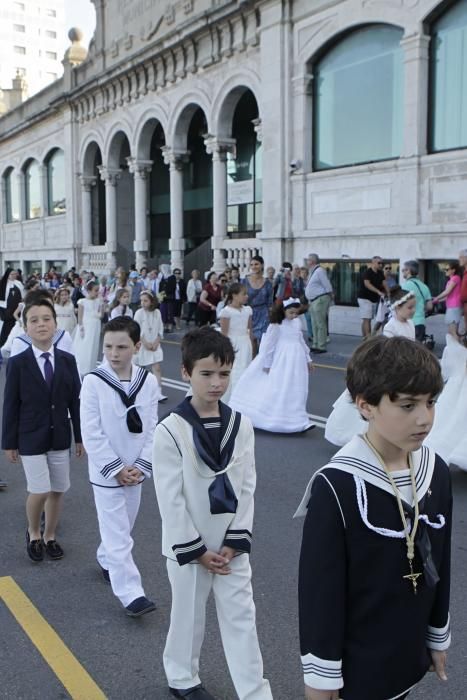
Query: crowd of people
x=247, y=363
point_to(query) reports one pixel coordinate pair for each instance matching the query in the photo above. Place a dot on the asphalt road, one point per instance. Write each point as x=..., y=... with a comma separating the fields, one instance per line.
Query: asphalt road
x=124, y=656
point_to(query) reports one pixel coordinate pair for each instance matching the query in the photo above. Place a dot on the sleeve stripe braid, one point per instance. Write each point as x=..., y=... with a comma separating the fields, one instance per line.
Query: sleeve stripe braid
x=439, y=638
x=108, y=468
x=239, y=540
x=322, y=674
x=189, y=551
x=144, y=464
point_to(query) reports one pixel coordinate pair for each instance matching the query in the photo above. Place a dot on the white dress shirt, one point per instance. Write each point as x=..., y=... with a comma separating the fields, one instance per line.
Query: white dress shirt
x=41, y=360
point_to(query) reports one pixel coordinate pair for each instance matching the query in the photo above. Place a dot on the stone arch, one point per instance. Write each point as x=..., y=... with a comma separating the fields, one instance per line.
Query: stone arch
x=144, y=131
x=114, y=147
x=49, y=151
x=88, y=158
x=227, y=99
x=182, y=114
x=334, y=29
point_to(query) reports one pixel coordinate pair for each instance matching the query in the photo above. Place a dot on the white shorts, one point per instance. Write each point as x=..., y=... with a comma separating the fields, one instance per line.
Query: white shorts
x=367, y=308
x=47, y=472
x=453, y=315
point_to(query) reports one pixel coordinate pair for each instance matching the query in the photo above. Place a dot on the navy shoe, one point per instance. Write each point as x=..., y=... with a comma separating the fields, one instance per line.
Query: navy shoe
x=54, y=550
x=105, y=574
x=140, y=606
x=3, y=484
x=195, y=693
x=35, y=548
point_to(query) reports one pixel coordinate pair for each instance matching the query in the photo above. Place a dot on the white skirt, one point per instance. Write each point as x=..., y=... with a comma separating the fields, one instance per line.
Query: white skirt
x=344, y=422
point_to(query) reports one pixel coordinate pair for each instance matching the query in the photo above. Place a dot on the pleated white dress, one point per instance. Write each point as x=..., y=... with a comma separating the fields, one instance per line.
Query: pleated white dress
x=276, y=401
x=86, y=348
x=151, y=326
x=448, y=436
x=66, y=317
x=241, y=341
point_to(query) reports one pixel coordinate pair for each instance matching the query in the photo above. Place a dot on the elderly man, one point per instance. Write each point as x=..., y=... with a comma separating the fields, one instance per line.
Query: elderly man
x=463, y=263
x=319, y=293
x=370, y=292
x=423, y=298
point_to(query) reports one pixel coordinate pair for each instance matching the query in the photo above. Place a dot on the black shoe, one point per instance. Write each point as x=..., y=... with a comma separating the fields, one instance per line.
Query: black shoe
x=35, y=548
x=195, y=693
x=3, y=484
x=318, y=350
x=105, y=574
x=310, y=427
x=54, y=550
x=140, y=606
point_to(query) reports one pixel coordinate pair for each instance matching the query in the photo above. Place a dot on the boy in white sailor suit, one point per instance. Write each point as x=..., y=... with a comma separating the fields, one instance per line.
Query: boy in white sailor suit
x=118, y=416
x=374, y=575
x=204, y=475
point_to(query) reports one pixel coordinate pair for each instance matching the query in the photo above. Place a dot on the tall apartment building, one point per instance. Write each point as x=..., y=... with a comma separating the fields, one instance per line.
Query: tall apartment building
x=32, y=39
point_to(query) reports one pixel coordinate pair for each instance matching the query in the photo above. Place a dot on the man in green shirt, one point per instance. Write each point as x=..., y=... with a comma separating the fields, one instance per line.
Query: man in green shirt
x=423, y=296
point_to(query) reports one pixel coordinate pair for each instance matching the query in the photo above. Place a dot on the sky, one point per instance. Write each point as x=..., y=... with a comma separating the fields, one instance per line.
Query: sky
x=81, y=13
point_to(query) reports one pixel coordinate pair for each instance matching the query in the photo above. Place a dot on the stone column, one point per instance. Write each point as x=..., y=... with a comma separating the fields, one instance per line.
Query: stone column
x=176, y=161
x=87, y=183
x=44, y=191
x=110, y=177
x=141, y=170
x=219, y=149
x=21, y=194
x=415, y=94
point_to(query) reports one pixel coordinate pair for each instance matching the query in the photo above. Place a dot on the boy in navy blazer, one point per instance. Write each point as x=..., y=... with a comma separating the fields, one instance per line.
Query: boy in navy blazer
x=41, y=394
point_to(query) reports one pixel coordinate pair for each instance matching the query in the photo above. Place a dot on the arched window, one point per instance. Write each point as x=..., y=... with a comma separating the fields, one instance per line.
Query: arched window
x=32, y=189
x=448, y=79
x=12, y=198
x=358, y=99
x=56, y=198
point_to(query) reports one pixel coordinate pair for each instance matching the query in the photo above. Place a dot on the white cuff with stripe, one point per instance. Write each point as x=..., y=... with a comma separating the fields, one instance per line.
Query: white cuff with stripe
x=321, y=673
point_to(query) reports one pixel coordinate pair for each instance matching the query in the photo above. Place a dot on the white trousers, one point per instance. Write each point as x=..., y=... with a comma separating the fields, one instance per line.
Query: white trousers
x=233, y=595
x=116, y=512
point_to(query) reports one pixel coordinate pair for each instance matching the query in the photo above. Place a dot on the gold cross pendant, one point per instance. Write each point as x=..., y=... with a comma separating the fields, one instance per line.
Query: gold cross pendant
x=413, y=577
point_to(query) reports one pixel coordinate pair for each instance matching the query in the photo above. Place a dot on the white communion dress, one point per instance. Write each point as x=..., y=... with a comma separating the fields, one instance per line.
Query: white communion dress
x=276, y=400
x=448, y=437
x=66, y=317
x=151, y=326
x=241, y=341
x=86, y=346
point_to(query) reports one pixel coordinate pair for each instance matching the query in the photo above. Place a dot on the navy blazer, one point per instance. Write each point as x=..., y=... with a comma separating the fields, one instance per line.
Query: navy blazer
x=36, y=418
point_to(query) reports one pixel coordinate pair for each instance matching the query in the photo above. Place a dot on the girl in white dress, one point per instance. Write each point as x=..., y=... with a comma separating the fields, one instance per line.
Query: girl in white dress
x=273, y=390
x=150, y=354
x=120, y=304
x=448, y=437
x=66, y=316
x=235, y=322
x=87, y=336
x=345, y=420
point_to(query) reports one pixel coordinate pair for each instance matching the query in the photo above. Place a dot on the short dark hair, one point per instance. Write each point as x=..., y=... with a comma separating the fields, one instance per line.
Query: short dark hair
x=203, y=342
x=392, y=366
x=38, y=301
x=125, y=324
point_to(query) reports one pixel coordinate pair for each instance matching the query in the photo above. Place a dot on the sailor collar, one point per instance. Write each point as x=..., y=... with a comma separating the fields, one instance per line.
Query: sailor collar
x=358, y=459
x=137, y=373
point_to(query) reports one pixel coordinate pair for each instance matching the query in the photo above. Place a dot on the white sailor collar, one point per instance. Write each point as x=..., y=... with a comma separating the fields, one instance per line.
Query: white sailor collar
x=358, y=459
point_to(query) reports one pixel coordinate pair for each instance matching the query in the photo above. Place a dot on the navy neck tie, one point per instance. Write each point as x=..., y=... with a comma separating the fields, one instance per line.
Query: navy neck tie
x=48, y=369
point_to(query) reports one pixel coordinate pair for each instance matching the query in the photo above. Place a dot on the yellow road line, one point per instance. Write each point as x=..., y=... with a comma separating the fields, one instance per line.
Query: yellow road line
x=66, y=667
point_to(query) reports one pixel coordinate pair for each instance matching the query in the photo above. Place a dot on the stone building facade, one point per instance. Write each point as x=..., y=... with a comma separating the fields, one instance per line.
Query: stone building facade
x=202, y=132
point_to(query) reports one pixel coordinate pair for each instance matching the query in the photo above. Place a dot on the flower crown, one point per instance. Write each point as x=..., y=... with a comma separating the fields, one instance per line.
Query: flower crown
x=402, y=300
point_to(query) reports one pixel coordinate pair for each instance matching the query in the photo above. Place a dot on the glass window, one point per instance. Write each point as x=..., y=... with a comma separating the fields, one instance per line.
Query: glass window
x=19, y=6
x=12, y=198
x=51, y=54
x=448, y=84
x=19, y=28
x=32, y=184
x=358, y=99
x=19, y=49
x=50, y=34
x=345, y=276
x=51, y=13
x=56, y=183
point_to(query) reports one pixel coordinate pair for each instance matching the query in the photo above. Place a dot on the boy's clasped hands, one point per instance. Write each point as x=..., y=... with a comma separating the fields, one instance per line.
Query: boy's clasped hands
x=217, y=563
x=129, y=476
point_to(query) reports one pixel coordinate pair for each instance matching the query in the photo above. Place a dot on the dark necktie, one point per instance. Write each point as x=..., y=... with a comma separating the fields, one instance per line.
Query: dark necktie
x=48, y=369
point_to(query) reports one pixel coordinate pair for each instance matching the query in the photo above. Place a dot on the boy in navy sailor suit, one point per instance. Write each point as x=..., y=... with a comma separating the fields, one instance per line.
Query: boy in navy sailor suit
x=119, y=404
x=204, y=474
x=41, y=392
x=374, y=576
